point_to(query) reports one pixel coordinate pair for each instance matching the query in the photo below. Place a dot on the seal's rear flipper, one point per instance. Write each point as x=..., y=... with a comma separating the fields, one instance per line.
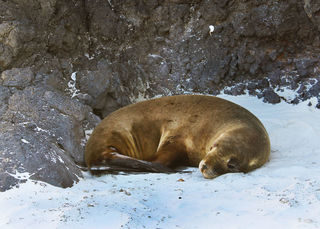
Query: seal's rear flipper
x=101, y=170
x=118, y=162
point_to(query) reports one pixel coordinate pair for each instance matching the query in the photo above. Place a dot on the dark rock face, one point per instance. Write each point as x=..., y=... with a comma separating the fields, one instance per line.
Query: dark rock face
x=17, y=77
x=312, y=8
x=270, y=96
x=42, y=132
x=64, y=63
x=24, y=147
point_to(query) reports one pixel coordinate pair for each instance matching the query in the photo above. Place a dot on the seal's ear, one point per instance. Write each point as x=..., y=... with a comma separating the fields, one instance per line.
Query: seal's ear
x=233, y=164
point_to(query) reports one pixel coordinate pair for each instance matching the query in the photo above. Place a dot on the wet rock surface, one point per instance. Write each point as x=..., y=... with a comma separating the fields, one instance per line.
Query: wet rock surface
x=64, y=65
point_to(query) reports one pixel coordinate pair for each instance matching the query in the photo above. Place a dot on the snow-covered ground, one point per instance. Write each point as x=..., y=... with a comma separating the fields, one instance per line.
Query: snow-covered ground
x=285, y=193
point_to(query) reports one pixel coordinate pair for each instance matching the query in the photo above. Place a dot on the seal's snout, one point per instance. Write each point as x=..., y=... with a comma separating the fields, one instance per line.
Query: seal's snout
x=206, y=171
x=203, y=166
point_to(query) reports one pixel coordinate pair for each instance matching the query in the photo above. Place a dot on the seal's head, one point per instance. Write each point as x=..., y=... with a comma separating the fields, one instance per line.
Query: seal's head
x=218, y=161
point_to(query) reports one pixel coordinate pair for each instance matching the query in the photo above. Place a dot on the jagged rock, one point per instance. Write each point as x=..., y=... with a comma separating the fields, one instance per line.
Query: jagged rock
x=42, y=133
x=236, y=90
x=312, y=8
x=263, y=83
x=57, y=114
x=295, y=101
x=315, y=90
x=305, y=66
x=17, y=77
x=270, y=96
x=24, y=149
x=274, y=77
x=4, y=96
x=15, y=41
x=7, y=181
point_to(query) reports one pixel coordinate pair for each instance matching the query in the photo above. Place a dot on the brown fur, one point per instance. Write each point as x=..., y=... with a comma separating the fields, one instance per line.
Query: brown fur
x=180, y=130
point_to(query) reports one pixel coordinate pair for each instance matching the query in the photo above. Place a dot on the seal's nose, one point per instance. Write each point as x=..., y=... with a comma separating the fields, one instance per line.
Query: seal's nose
x=206, y=171
x=202, y=166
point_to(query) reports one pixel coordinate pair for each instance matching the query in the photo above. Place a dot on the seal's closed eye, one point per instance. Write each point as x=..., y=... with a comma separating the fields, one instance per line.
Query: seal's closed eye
x=233, y=164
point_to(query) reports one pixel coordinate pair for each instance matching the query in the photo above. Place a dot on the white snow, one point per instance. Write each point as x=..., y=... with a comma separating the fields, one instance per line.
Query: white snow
x=72, y=85
x=285, y=193
x=38, y=129
x=74, y=76
x=19, y=175
x=25, y=141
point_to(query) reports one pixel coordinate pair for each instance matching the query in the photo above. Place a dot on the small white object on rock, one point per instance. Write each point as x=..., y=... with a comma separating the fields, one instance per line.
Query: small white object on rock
x=211, y=29
x=25, y=141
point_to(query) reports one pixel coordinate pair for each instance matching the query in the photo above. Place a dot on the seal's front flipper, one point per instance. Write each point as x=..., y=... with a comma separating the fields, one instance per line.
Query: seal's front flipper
x=119, y=162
